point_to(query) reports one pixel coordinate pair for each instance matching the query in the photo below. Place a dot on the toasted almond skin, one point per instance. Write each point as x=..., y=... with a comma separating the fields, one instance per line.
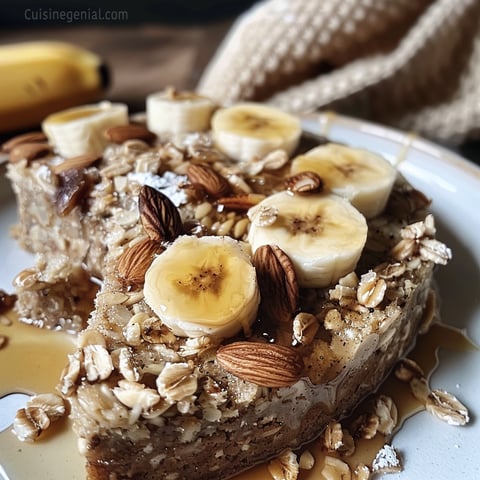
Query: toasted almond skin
x=264, y=364
x=240, y=203
x=29, y=151
x=30, y=137
x=80, y=161
x=122, y=133
x=212, y=182
x=278, y=284
x=160, y=217
x=135, y=260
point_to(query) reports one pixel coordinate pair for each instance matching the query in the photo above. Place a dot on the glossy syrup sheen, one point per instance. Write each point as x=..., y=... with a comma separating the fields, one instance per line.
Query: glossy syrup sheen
x=33, y=359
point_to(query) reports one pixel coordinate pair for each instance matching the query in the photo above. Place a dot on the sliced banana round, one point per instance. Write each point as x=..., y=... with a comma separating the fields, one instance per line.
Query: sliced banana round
x=178, y=112
x=250, y=130
x=323, y=234
x=203, y=286
x=80, y=130
x=362, y=177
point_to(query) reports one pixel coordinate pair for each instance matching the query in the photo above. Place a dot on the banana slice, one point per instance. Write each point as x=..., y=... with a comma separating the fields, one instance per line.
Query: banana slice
x=323, y=234
x=362, y=177
x=249, y=130
x=203, y=286
x=79, y=130
x=178, y=112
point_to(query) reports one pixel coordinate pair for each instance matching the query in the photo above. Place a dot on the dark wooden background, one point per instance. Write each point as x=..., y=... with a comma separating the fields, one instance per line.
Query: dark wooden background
x=161, y=43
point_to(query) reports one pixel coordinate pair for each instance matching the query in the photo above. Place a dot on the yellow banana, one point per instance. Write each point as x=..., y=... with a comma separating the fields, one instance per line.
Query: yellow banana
x=39, y=78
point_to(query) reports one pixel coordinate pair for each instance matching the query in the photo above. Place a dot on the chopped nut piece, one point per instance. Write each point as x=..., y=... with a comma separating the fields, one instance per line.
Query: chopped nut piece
x=387, y=412
x=447, y=407
x=335, y=469
x=306, y=461
x=366, y=426
x=333, y=436
x=361, y=472
x=408, y=369
x=304, y=183
x=284, y=467
x=3, y=341
x=305, y=326
x=240, y=203
x=333, y=320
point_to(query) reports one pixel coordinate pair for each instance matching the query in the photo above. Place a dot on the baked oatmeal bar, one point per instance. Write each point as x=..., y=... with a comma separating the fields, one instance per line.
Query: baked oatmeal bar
x=154, y=398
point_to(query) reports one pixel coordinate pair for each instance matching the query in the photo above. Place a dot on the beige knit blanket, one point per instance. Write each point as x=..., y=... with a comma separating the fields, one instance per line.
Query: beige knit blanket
x=413, y=64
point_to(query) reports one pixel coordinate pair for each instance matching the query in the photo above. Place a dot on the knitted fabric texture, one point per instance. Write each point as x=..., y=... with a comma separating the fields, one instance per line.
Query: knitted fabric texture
x=411, y=64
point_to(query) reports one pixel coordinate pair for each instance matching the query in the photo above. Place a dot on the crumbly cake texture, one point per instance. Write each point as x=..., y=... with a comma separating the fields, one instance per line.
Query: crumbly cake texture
x=148, y=404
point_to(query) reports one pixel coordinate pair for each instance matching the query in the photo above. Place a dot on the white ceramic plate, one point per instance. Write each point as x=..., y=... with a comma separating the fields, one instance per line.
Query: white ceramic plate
x=431, y=449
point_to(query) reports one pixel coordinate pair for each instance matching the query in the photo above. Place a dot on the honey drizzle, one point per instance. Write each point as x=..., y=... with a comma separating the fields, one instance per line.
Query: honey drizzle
x=33, y=358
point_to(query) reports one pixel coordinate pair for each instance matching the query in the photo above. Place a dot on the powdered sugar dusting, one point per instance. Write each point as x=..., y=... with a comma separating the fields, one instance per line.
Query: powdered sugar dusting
x=387, y=460
x=168, y=184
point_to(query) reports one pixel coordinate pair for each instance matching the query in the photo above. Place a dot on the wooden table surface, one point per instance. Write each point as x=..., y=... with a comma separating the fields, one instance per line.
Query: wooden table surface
x=146, y=57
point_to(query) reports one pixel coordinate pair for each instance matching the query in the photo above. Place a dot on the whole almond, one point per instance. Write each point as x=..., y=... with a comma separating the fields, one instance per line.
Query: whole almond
x=277, y=282
x=122, y=133
x=80, y=161
x=214, y=184
x=29, y=151
x=264, y=364
x=304, y=183
x=30, y=137
x=160, y=217
x=135, y=260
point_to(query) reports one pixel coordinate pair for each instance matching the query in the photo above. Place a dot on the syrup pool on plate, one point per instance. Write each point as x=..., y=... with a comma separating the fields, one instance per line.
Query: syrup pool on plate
x=31, y=362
